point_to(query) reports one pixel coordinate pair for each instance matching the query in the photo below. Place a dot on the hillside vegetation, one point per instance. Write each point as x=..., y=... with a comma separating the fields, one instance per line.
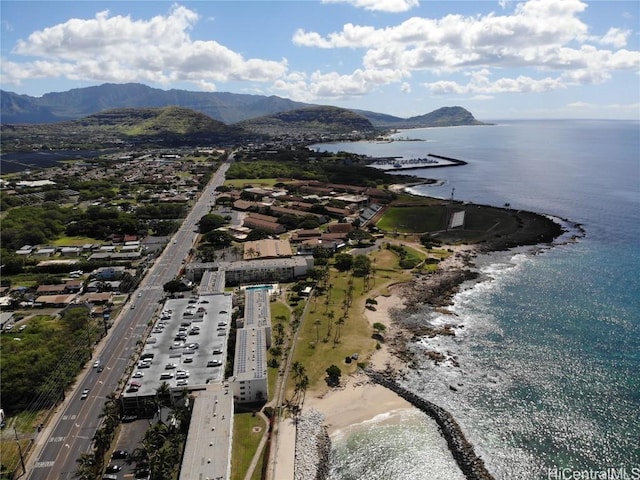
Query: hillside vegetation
x=168, y=126
x=313, y=120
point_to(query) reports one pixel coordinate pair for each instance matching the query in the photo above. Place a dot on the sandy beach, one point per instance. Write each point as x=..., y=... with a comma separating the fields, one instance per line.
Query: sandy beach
x=358, y=399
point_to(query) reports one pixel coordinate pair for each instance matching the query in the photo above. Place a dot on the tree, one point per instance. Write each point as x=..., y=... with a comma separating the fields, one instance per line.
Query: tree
x=379, y=328
x=333, y=375
x=173, y=286
x=339, y=323
x=330, y=316
x=257, y=234
x=87, y=467
x=317, y=324
x=343, y=261
x=361, y=266
x=210, y=222
x=218, y=238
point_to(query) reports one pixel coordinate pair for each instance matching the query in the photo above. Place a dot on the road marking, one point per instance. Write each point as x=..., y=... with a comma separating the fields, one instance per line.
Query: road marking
x=56, y=439
x=48, y=464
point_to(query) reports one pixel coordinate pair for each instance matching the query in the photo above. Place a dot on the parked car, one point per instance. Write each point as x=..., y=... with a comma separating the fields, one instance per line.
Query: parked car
x=119, y=454
x=113, y=469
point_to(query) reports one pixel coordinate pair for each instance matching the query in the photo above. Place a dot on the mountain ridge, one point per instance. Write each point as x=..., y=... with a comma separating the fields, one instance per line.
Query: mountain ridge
x=226, y=107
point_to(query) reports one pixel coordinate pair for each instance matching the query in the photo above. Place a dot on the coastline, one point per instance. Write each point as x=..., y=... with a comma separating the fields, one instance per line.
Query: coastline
x=361, y=398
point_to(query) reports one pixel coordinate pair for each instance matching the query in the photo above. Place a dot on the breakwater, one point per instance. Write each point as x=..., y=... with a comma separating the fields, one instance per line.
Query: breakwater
x=472, y=465
x=312, y=447
x=398, y=163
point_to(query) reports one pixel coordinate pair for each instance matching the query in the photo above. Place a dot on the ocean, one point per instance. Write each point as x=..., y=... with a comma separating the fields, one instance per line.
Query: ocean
x=548, y=383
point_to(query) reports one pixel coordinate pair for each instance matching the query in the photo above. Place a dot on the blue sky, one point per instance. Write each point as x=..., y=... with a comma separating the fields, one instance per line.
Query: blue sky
x=499, y=59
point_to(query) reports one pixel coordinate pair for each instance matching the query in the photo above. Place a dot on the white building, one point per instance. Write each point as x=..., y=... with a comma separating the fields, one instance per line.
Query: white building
x=253, y=339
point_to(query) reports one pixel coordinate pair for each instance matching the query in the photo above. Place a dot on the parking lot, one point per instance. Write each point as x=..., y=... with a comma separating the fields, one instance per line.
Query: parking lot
x=187, y=345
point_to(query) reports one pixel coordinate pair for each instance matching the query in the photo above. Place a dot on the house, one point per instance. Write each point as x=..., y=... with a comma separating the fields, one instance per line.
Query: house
x=50, y=289
x=108, y=273
x=25, y=250
x=98, y=298
x=73, y=286
x=253, y=220
x=340, y=228
x=57, y=301
x=267, y=249
x=70, y=251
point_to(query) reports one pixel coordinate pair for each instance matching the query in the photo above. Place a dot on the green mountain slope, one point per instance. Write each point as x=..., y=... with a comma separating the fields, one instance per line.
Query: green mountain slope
x=312, y=120
x=170, y=126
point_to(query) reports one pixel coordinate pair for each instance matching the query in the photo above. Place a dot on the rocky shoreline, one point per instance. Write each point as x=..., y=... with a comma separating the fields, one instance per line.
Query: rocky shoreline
x=436, y=290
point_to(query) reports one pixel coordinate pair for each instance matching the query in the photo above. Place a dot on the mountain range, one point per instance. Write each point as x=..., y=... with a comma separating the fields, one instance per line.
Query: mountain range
x=229, y=108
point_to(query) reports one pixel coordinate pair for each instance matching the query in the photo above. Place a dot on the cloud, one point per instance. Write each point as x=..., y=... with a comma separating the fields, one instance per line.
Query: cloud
x=481, y=83
x=615, y=37
x=332, y=85
x=537, y=37
x=120, y=49
x=392, y=6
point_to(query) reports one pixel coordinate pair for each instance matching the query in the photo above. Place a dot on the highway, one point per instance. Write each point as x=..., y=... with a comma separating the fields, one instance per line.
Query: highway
x=70, y=431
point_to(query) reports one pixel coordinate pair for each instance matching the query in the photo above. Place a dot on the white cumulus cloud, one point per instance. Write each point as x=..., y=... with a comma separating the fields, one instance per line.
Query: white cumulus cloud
x=120, y=49
x=392, y=6
x=537, y=37
x=333, y=85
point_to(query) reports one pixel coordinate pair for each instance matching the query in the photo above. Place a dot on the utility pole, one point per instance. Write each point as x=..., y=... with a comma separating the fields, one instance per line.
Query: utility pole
x=24, y=469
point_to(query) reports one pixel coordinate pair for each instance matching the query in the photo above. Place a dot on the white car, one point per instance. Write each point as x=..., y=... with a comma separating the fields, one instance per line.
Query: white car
x=85, y=394
x=138, y=375
x=96, y=364
x=182, y=382
x=170, y=366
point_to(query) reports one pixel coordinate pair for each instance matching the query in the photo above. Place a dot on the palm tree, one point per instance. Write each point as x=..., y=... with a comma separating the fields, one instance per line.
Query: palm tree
x=301, y=382
x=317, y=324
x=302, y=385
x=339, y=322
x=101, y=442
x=330, y=316
x=87, y=467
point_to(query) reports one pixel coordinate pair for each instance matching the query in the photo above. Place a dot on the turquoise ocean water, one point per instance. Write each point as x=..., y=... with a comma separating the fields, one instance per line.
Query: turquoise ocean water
x=549, y=375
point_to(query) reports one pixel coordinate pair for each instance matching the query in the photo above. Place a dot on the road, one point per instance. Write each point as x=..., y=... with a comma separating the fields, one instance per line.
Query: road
x=70, y=432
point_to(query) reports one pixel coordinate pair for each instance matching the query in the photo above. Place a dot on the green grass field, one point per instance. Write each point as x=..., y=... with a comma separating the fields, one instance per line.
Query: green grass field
x=413, y=219
x=255, y=182
x=247, y=432
x=314, y=350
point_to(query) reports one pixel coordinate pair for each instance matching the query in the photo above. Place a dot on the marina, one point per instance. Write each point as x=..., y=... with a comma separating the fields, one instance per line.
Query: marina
x=401, y=163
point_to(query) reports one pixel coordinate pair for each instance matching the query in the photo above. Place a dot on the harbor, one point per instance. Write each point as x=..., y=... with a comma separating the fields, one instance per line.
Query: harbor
x=401, y=163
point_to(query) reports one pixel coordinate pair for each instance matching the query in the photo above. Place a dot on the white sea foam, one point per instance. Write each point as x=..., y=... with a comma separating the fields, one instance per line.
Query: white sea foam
x=403, y=445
